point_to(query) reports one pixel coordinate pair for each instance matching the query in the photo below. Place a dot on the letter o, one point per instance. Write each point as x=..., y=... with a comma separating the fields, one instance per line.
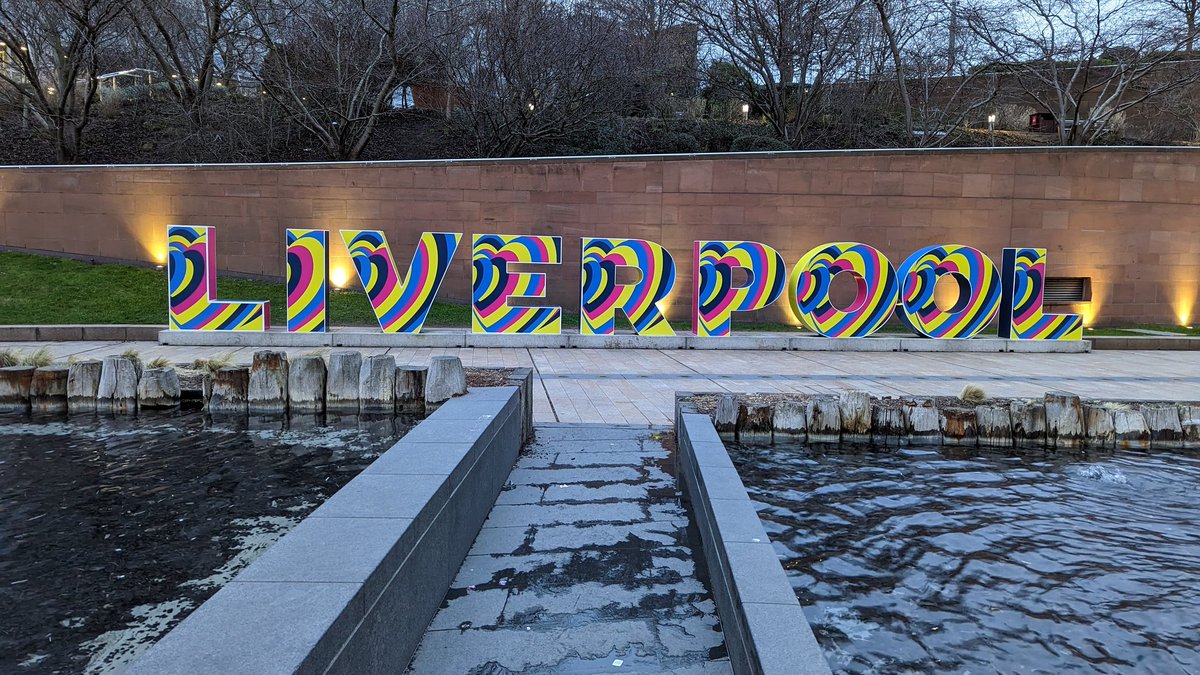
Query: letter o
x=978, y=297
x=812, y=278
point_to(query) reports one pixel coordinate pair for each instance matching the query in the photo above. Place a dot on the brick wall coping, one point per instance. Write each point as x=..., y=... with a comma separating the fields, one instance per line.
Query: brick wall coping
x=767, y=154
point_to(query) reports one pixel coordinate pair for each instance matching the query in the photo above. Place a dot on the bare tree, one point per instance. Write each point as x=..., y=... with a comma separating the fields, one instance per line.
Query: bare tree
x=196, y=44
x=1187, y=10
x=794, y=49
x=937, y=89
x=449, y=27
x=55, y=48
x=1086, y=61
x=659, y=51
x=889, y=14
x=335, y=65
x=538, y=72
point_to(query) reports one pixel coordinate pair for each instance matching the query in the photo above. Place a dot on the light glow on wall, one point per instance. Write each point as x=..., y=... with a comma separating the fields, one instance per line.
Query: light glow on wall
x=946, y=292
x=338, y=275
x=1088, y=313
x=145, y=226
x=1183, y=301
x=1099, y=266
x=1090, y=310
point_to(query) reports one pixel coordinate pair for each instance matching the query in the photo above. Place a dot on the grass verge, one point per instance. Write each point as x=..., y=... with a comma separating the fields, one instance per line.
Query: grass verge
x=45, y=290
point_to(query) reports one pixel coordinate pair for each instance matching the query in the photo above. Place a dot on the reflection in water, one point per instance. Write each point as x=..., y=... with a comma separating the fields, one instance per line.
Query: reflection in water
x=113, y=529
x=956, y=561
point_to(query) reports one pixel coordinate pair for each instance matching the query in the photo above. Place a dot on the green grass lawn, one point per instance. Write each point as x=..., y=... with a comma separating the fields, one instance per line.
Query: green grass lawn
x=46, y=290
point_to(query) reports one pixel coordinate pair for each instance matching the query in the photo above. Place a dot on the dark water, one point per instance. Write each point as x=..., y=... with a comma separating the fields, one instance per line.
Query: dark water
x=112, y=530
x=961, y=562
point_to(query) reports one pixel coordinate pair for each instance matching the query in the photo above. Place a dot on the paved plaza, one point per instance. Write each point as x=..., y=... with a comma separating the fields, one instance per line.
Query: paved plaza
x=637, y=386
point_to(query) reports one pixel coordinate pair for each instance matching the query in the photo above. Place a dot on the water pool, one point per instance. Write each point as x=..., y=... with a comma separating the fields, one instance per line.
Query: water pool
x=956, y=561
x=113, y=529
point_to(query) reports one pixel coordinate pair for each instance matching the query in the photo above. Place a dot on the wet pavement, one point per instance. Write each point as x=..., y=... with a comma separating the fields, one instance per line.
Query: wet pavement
x=586, y=564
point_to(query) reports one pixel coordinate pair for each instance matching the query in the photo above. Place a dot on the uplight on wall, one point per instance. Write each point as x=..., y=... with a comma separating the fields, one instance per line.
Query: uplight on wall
x=338, y=276
x=1184, y=301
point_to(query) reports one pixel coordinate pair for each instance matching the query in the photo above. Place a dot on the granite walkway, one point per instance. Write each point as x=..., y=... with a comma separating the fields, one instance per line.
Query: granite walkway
x=637, y=386
x=584, y=565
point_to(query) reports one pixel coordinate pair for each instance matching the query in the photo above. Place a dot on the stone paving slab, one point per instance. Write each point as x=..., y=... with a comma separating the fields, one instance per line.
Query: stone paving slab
x=637, y=387
x=575, y=494
x=581, y=568
x=608, y=474
x=557, y=538
x=511, y=515
x=592, y=459
x=587, y=648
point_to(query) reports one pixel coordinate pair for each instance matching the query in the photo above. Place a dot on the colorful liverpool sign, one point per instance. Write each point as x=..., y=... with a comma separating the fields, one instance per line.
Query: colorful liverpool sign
x=504, y=299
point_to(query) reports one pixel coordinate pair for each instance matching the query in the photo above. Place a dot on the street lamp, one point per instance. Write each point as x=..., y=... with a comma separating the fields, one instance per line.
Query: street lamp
x=745, y=111
x=992, y=129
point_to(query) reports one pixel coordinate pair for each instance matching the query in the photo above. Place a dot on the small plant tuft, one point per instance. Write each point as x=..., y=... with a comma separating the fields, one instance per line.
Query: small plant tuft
x=9, y=358
x=973, y=393
x=38, y=359
x=213, y=363
x=160, y=362
x=135, y=356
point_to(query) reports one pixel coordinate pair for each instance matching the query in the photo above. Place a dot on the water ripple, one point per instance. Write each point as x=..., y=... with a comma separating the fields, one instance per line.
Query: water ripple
x=112, y=529
x=946, y=560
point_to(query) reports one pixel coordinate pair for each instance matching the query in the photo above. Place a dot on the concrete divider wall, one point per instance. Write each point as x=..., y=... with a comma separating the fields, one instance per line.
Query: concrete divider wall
x=352, y=588
x=90, y=332
x=764, y=626
x=522, y=379
x=1125, y=217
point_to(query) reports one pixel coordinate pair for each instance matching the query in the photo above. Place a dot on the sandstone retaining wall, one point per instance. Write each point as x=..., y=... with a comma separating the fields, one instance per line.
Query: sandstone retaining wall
x=1129, y=218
